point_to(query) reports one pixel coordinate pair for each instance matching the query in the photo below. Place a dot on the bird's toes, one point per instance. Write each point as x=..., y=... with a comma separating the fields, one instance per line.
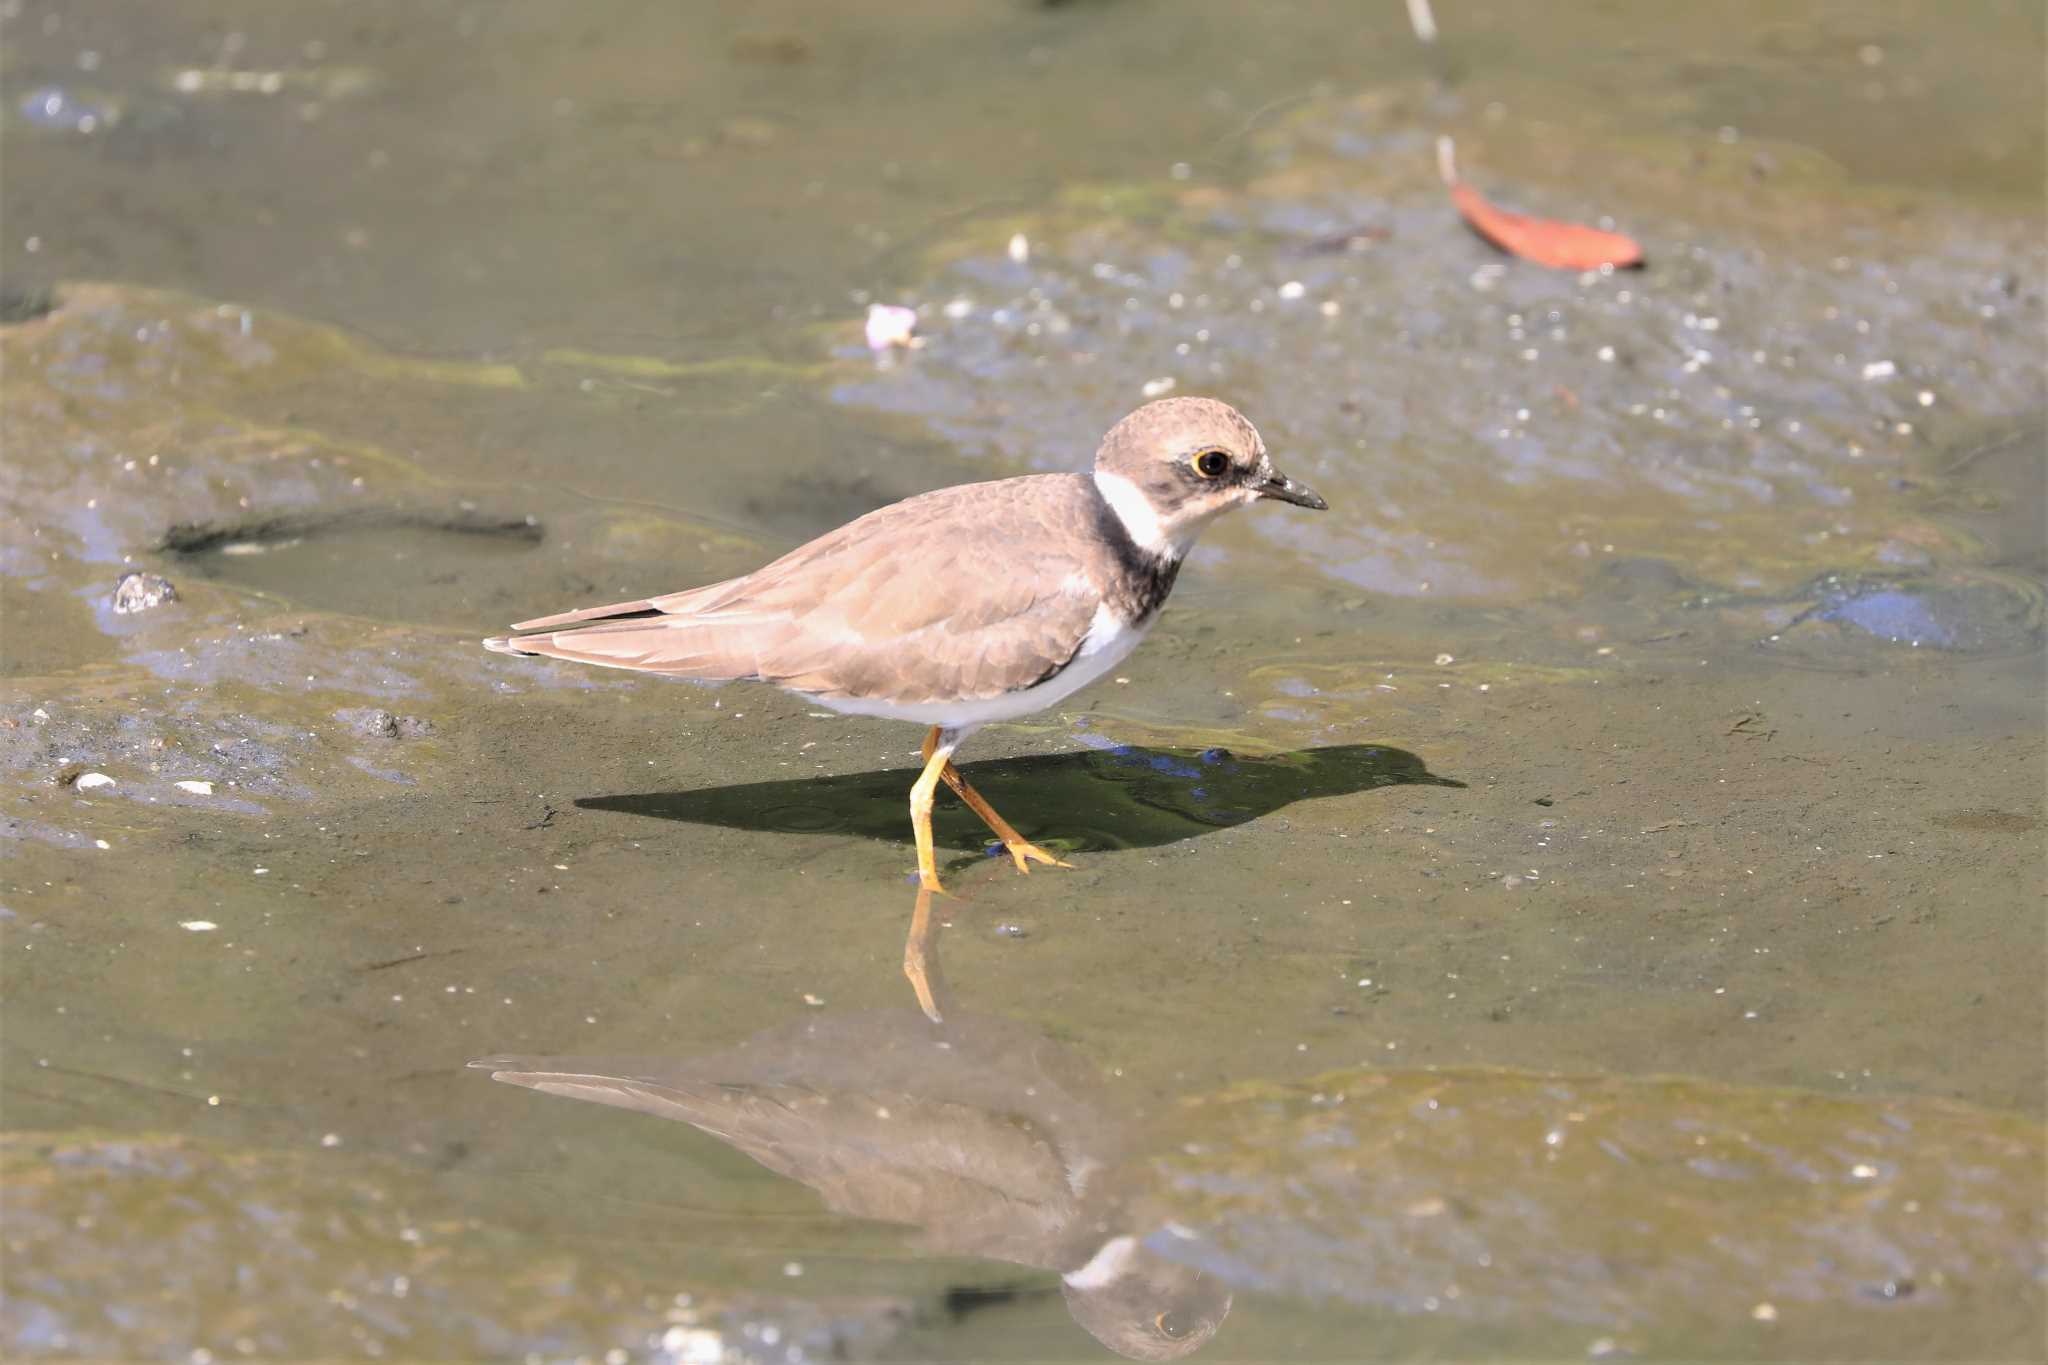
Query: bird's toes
x=1026, y=854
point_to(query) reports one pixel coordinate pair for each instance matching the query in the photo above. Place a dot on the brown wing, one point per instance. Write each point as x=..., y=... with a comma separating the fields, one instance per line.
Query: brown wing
x=985, y=1180
x=674, y=602
x=966, y=592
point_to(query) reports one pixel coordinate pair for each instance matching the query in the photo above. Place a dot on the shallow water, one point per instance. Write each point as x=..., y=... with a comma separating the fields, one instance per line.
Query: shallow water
x=1578, y=896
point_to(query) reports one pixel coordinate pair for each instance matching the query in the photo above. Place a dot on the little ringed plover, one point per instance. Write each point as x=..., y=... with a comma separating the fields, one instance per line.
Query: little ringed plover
x=959, y=607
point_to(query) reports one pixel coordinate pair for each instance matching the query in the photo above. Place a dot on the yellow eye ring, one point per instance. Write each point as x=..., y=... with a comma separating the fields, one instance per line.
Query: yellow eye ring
x=1211, y=464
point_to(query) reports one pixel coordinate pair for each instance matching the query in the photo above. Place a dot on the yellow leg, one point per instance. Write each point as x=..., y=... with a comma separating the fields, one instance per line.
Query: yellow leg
x=921, y=959
x=1022, y=851
x=936, y=756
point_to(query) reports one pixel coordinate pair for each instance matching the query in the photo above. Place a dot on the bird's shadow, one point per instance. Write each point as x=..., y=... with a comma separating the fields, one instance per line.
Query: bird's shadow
x=1119, y=797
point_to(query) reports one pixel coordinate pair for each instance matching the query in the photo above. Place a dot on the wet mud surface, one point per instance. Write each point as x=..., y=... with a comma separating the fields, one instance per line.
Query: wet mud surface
x=1595, y=868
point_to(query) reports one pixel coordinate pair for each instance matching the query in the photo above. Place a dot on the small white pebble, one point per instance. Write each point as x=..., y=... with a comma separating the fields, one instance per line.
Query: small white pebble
x=1764, y=1312
x=1444, y=660
x=794, y=1269
x=1020, y=252
x=196, y=787
x=890, y=327
x=1880, y=369
x=88, y=781
x=262, y=871
x=330, y=1140
x=101, y=843
x=1293, y=289
x=1154, y=388
x=198, y=926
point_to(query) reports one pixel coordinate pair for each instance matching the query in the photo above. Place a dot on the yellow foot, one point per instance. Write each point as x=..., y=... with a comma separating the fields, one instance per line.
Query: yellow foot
x=938, y=766
x=1024, y=853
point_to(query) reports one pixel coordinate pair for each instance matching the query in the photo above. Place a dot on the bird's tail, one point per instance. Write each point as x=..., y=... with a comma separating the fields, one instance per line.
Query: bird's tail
x=692, y=634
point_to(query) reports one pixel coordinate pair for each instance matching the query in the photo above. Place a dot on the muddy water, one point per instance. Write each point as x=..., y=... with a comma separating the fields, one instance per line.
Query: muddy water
x=1579, y=896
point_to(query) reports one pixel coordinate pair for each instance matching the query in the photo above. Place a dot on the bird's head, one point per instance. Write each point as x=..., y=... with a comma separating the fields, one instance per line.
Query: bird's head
x=1175, y=465
x=1142, y=1305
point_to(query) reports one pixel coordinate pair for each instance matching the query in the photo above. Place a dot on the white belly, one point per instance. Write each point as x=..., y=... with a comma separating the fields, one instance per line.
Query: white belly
x=1108, y=643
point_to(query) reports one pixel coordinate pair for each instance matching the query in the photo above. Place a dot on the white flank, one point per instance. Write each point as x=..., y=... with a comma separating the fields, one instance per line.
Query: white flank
x=1109, y=641
x=1105, y=1267
x=1109, y=634
x=1136, y=512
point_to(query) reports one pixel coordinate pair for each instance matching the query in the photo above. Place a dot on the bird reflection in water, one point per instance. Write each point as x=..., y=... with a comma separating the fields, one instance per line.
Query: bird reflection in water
x=988, y=1137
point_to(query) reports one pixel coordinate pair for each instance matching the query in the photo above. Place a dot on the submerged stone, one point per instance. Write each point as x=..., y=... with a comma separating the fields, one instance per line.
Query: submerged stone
x=138, y=591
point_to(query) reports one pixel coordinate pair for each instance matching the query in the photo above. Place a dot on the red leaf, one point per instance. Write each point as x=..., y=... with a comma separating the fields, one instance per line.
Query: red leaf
x=1546, y=241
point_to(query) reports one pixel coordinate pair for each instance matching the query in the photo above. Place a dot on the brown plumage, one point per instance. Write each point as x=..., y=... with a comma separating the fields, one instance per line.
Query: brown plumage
x=853, y=614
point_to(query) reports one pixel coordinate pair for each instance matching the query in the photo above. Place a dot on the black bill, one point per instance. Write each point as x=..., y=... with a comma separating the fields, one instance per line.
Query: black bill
x=1284, y=489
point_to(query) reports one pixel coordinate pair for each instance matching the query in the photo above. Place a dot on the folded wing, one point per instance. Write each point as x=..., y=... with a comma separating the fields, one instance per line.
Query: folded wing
x=964, y=593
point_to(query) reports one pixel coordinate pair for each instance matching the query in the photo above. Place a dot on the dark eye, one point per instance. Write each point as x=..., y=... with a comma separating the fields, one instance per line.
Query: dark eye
x=1212, y=464
x=1173, y=1326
